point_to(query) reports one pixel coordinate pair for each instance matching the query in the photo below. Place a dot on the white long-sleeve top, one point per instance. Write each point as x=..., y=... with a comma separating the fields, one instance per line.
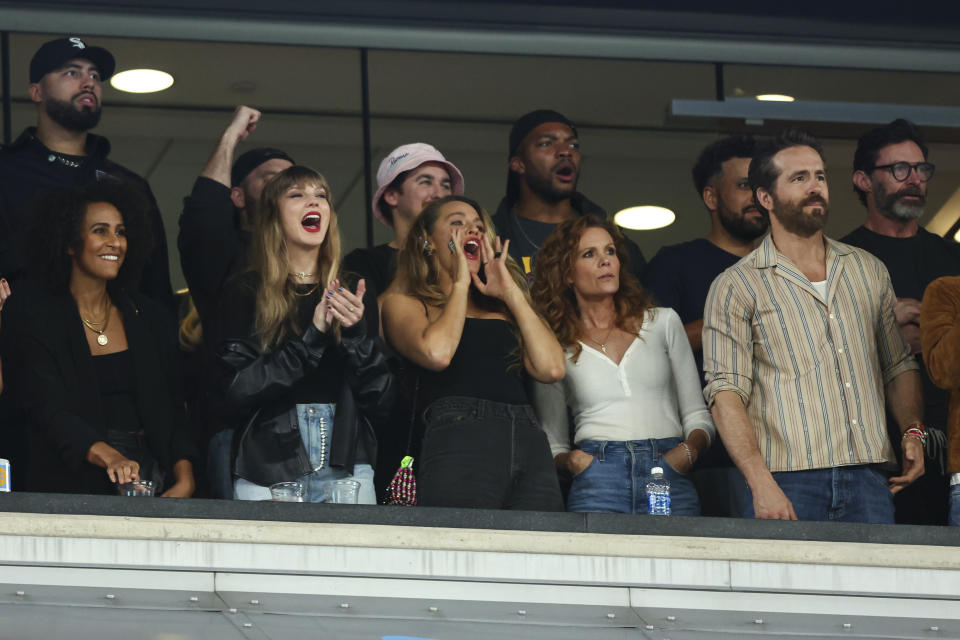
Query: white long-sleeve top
x=654, y=392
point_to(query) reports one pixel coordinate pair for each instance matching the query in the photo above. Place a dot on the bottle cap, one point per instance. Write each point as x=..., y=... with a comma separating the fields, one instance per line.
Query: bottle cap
x=656, y=470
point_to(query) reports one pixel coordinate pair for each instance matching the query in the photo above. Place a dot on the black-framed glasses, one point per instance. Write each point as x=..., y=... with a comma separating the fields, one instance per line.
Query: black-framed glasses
x=901, y=170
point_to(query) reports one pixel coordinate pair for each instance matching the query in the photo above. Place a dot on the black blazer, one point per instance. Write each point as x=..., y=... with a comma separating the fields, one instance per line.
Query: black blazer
x=53, y=374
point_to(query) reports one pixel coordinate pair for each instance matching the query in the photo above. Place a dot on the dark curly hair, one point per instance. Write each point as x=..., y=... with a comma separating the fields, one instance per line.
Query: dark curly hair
x=57, y=223
x=554, y=298
x=709, y=164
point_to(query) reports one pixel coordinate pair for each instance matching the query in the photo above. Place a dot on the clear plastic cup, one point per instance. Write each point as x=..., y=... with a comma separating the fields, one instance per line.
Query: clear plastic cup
x=136, y=489
x=345, y=492
x=286, y=492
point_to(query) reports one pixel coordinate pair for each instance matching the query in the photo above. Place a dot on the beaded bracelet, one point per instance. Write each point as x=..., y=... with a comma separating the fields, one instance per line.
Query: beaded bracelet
x=917, y=432
x=686, y=448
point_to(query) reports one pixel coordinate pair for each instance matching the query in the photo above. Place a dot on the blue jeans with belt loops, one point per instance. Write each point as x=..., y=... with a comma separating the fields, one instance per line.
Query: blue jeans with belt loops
x=615, y=482
x=316, y=431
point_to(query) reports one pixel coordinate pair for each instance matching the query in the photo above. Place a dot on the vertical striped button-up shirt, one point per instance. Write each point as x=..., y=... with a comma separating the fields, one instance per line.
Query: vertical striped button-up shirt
x=810, y=371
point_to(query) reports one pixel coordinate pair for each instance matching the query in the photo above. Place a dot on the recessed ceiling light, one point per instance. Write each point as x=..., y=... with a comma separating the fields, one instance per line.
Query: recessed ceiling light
x=775, y=97
x=645, y=217
x=142, y=81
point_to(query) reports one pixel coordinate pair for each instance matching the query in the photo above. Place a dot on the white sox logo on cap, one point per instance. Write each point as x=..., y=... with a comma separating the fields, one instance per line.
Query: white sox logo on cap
x=78, y=43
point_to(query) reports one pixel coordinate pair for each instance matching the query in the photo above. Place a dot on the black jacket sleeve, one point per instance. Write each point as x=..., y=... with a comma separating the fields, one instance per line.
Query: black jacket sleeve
x=211, y=246
x=251, y=376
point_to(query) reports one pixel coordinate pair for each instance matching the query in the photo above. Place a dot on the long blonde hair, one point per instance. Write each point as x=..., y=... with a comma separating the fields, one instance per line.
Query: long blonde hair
x=418, y=270
x=276, y=302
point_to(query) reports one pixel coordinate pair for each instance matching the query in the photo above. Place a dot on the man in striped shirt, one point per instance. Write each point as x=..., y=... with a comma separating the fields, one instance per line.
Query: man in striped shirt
x=802, y=349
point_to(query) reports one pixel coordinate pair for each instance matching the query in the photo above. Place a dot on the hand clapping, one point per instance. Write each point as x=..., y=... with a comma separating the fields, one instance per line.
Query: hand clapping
x=340, y=304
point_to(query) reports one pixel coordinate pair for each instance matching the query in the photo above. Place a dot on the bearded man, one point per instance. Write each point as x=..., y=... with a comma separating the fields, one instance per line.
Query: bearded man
x=890, y=176
x=801, y=353
x=66, y=87
x=680, y=275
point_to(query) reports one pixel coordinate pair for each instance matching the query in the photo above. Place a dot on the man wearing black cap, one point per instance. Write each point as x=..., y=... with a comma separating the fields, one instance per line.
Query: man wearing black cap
x=544, y=166
x=218, y=214
x=66, y=77
x=214, y=235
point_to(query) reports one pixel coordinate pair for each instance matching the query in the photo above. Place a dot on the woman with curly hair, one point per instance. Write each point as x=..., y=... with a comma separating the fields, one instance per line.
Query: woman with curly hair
x=298, y=364
x=94, y=363
x=631, y=383
x=459, y=310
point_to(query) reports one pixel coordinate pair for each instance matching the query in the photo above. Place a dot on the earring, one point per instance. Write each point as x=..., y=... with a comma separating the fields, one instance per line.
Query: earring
x=427, y=249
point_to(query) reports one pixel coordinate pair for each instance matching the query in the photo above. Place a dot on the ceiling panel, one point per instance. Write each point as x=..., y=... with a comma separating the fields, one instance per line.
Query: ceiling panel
x=484, y=87
x=210, y=74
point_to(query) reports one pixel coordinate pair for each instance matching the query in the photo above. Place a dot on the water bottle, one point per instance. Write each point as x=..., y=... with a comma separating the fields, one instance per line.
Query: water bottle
x=658, y=493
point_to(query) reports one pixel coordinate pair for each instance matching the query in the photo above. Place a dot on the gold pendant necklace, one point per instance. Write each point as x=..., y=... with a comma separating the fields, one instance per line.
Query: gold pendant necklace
x=101, y=333
x=603, y=345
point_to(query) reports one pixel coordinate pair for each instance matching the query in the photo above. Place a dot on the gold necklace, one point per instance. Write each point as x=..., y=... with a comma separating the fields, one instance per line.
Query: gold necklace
x=316, y=285
x=603, y=345
x=303, y=275
x=101, y=333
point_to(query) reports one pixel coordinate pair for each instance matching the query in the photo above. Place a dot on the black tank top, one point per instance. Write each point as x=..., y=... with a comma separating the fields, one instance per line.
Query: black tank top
x=487, y=365
x=117, y=379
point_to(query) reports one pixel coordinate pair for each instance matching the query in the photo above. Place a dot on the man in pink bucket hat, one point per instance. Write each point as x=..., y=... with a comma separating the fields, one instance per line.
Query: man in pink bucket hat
x=408, y=178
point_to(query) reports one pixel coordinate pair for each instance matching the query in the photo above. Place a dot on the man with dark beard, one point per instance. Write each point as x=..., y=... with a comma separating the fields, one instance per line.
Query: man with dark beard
x=66, y=77
x=802, y=351
x=890, y=175
x=679, y=276
x=543, y=170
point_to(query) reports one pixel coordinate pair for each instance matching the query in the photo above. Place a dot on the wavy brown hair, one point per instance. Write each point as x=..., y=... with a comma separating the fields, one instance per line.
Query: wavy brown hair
x=276, y=302
x=418, y=270
x=553, y=295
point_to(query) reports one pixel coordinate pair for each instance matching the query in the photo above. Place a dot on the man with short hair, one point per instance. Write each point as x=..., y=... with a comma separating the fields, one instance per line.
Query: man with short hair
x=679, y=276
x=802, y=350
x=218, y=217
x=66, y=77
x=543, y=170
x=890, y=175
x=410, y=177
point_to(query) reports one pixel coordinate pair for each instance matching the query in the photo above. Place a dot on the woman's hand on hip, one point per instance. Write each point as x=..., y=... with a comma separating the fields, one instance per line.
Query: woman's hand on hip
x=578, y=460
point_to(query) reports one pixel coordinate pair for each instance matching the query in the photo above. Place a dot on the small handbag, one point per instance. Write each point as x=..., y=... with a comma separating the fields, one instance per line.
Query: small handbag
x=403, y=487
x=402, y=490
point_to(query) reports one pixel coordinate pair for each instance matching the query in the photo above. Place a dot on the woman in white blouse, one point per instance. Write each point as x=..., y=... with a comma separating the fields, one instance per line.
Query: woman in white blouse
x=631, y=384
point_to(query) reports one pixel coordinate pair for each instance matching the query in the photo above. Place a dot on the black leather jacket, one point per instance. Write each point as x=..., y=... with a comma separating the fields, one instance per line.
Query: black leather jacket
x=268, y=447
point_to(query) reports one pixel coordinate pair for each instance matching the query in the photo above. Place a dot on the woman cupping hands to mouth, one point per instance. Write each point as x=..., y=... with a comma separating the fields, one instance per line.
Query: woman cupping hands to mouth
x=460, y=311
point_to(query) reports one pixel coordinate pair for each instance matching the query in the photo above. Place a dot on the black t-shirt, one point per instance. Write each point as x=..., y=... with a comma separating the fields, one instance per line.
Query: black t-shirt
x=914, y=263
x=680, y=275
x=377, y=265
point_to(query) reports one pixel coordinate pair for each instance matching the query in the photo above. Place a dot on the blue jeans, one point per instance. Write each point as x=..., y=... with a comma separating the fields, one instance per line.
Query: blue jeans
x=316, y=432
x=954, y=505
x=615, y=482
x=219, y=465
x=844, y=494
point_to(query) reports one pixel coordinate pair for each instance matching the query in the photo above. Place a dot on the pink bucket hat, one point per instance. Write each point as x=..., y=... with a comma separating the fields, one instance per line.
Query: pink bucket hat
x=405, y=158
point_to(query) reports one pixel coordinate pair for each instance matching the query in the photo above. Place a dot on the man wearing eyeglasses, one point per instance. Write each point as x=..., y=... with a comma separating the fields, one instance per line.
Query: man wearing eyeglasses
x=890, y=176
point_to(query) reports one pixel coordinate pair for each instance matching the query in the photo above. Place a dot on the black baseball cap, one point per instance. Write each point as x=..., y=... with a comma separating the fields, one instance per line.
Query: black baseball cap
x=530, y=121
x=252, y=159
x=54, y=54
